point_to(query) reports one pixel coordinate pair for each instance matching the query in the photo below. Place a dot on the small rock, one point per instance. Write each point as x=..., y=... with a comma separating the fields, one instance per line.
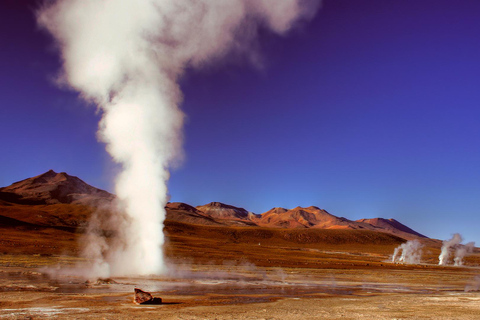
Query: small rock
x=143, y=297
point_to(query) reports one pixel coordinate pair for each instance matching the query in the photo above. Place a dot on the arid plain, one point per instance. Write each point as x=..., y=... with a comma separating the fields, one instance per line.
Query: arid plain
x=221, y=267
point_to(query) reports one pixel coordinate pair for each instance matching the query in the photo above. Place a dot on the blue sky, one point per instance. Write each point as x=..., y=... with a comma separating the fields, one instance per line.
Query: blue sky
x=370, y=110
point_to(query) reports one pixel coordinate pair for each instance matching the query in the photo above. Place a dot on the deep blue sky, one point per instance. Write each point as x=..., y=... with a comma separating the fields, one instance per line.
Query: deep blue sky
x=370, y=110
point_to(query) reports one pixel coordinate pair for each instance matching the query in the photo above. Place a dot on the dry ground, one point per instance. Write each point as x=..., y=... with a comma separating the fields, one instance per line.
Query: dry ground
x=240, y=292
x=238, y=273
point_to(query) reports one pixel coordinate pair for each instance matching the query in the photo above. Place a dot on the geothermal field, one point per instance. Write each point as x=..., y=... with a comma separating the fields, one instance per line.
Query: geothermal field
x=223, y=262
x=369, y=108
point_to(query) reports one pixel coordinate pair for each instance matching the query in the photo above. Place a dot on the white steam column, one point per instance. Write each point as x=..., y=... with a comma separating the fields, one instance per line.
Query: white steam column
x=126, y=56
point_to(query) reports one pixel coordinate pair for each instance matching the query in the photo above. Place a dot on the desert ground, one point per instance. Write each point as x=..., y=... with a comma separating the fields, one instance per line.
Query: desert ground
x=230, y=273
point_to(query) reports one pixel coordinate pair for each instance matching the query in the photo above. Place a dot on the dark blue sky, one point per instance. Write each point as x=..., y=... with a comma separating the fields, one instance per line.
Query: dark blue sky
x=372, y=109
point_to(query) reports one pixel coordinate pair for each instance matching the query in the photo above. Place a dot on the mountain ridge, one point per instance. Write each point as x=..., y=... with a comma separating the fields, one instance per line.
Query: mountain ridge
x=52, y=188
x=393, y=225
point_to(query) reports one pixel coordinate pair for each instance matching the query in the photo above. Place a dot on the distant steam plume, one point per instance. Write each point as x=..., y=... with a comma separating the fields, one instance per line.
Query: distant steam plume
x=409, y=252
x=447, y=247
x=460, y=250
x=474, y=285
x=126, y=57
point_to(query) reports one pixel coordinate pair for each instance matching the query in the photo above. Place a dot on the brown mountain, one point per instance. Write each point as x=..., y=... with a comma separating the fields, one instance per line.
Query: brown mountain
x=227, y=214
x=394, y=227
x=53, y=188
x=312, y=217
x=223, y=211
x=60, y=200
x=182, y=212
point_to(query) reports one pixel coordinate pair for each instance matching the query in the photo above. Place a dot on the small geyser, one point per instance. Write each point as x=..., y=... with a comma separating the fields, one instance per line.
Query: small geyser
x=454, y=245
x=409, y=252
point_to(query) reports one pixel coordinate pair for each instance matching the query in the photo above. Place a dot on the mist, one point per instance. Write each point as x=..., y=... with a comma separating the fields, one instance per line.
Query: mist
x=126, y=57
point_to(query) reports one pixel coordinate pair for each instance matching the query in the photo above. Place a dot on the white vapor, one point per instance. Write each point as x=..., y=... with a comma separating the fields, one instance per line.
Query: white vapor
x=461, y=251
x=126, y=57
x=446, y=248
x=474, y=285
x=409, y=252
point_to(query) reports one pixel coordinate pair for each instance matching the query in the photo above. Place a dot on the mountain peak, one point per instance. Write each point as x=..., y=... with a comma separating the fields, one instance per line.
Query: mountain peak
x=180, y=206
x=52, y=187
x=278, y=210
x=223, y=211
x=393, y=226
x=218, y=205
x=300, y=217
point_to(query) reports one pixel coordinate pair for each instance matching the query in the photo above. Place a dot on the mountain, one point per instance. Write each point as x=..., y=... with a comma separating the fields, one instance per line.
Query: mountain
x=182, y=212
x=53, y=188
x=223, y=211
x=63, y=201
x=394, y=227
x=227, y=214
x=316, y=218
x=310, y=217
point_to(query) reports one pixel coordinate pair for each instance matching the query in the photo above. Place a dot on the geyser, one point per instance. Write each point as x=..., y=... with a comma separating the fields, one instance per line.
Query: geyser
x=455, y=245
x=126, y=57
x=462, y=251
x=409, y=252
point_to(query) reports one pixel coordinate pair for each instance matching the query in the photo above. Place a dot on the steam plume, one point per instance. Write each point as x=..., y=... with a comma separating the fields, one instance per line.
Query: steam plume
x=461, y=251
x=126, y=57
x=409, y=252
x=446, y=248
x=474, y=285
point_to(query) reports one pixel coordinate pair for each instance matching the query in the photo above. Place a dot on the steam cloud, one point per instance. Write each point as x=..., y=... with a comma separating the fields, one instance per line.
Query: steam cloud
x=461, y=251
x=126, y=57
x=409, y=252
x=474, y=285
